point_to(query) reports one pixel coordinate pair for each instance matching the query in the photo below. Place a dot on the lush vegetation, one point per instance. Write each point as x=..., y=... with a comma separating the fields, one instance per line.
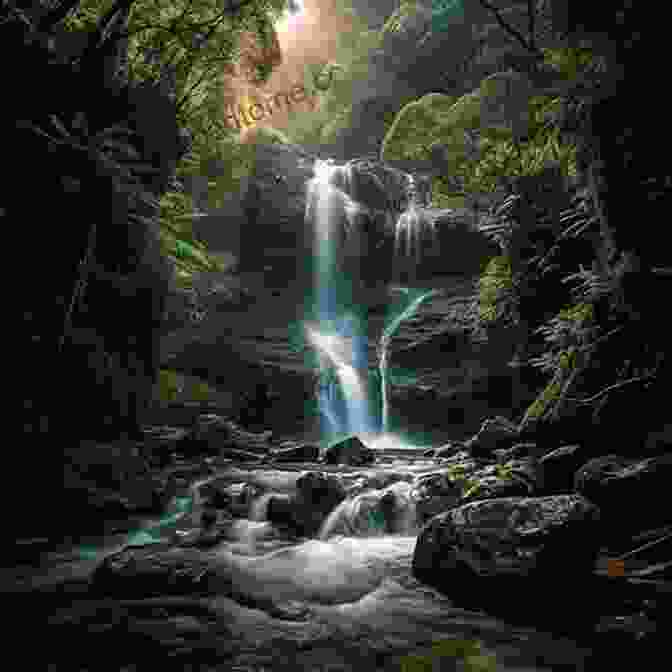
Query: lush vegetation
x=186, y=46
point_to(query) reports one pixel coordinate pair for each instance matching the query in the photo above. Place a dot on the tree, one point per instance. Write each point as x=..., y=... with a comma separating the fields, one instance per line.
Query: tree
x=184, y=47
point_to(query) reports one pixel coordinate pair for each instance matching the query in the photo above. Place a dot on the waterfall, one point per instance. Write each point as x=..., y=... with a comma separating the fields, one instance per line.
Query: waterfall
x=415, y=299
x=414, y=225
x=337, y=336
x=335, y=331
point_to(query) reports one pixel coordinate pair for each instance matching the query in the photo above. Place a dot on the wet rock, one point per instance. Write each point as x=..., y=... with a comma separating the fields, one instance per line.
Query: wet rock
x=209, y=435
x=149, y=571
x=108, y=480
x=355, y=483
x=499, y=481
x=449, y=449
x=462, y=461
x=557, y=469
x=212, y=533
x=519, y=450
x=517, y=555
x=214, y=435
x=316, y=496
x=434, y=494
x=350, y=451
x=495, y=433
x=280, y=510
x=375, y=512
x=239, y=455
x=304, y=452
x=630, y=493
x=235, y=498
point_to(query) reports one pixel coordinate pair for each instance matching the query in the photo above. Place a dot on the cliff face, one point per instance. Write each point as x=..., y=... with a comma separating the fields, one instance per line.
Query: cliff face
x=442, y=374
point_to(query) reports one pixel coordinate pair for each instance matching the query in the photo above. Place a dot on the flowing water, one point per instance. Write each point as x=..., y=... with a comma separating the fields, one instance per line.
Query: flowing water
x=344, y=600
x=337, y=334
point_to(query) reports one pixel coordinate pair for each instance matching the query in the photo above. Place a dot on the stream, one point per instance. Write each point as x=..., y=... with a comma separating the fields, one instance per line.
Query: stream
x=343, y=600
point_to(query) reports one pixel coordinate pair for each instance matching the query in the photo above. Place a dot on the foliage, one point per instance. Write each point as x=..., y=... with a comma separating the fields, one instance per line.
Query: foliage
x=186, y=44
x=406, y=10
x=173, y=386
x=448, y=651
x=495, y=285
x=549, y=395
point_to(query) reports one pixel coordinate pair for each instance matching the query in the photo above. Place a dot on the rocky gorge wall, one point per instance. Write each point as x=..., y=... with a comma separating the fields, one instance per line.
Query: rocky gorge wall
x=457, y=380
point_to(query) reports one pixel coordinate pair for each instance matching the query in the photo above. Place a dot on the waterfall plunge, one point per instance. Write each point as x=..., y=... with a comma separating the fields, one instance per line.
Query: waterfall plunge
x=336, y=336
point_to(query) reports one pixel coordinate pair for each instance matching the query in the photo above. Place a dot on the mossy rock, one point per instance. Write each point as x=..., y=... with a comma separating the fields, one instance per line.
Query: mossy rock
x=500, y=102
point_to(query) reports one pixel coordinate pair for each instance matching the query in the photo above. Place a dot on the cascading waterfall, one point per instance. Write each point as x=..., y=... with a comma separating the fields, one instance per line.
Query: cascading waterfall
x=337, y=337
x=335, y=332
x=413, y=225
x=415, y=299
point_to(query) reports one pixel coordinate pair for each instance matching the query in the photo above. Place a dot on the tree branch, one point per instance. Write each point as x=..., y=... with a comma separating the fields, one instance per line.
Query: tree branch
x=611, y=388
x=529, y=46
x=55, y=16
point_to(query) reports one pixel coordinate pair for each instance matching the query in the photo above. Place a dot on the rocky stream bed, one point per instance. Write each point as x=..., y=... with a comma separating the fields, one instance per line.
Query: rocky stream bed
x=262, y=554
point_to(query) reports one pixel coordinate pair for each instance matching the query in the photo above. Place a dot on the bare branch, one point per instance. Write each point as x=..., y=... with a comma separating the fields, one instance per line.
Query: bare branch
x=611, y=388
x=529, y=46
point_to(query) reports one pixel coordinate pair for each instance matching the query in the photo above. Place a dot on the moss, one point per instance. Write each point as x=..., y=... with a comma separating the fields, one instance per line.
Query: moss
x=567, y=359
x=173, y=386
x=550, y=394
x=579, y=314
x=468, y=652
x=400, y=18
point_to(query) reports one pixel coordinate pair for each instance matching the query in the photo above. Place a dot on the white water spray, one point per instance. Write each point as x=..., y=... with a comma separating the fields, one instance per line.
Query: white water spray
x=333, y=214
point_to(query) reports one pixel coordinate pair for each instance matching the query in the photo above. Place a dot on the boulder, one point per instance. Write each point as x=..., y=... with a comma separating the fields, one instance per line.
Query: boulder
x=374, y=513
x=492, y=482
x=150, y=571
x=316, y=496
x=350, y=451
x=495, y=433
x=280, y=510
x=434, y=494
x=448, y=450
x=303, y=452
x=630, y=493
x=524, y=557
x=235, y=498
